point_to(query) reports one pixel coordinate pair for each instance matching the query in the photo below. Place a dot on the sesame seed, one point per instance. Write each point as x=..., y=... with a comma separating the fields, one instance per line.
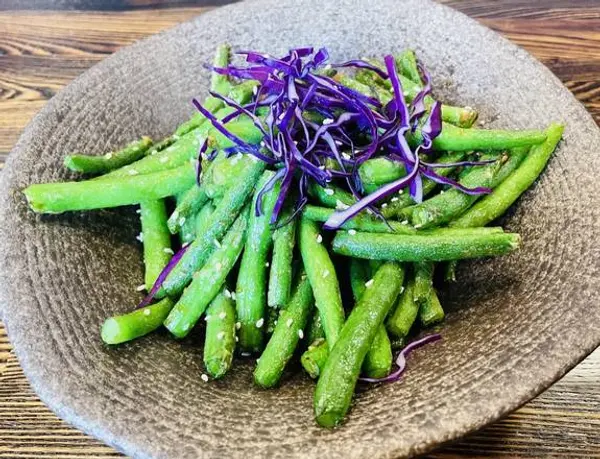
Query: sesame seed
x=263, y=144
x=338, y=143
x=108, y=155
x=260, y=322
x=138, y=211
x=346, y=156
x=401, y=190
x=147, y=311
x=300, y=334
x=404, y=222
x=369, y=283
x=238, y=325
x=395, y=199
x=406, y=93
x=168, y=250
x=281, y=117
x=140, y=237
x=384, y=205
x=468, y=108
x=327, y=121
x=227, y=293
x=140, y=288
x=339, y=205
x=207, y=318
x=258, y=360
x=267, y=264
x=181, y=221
x=352, y=232
x=222, y=315
x=255, y=90
x=329, y=192
x=442, y=192
x=204, y=377
x=328, y=67
x=221, y=335
x=245, y=354
x=175, y=215
x=217, y=244
x=132, y=172
x=319, y=238
x=289, y=322
x=163, y=159
x=322, y=167
x=325, y=273
x=237, y=339
x=402, y=289
x=233, y=296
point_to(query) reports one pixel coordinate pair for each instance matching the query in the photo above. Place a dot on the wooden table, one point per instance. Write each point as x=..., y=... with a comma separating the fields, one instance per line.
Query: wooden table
x=44, y=44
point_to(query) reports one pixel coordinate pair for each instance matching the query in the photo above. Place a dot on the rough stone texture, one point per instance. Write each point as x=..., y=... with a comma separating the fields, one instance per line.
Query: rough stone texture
x=516, y=324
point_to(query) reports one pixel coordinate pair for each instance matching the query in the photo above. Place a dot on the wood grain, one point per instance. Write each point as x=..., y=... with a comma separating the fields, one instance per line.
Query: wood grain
x=45, y=44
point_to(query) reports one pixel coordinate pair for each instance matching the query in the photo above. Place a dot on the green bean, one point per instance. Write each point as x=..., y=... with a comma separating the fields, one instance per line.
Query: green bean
x=315, y=329
x=457, y=116
x=454, y=138
x=55, y=198
x=359, y=275
x=188, y=205
x=272, y=318
x=208, y=280
x=88, y=164
x=403, y=316
x=155, y=238
x=188, y=137
x=431, y=311
x=323, y=279
x=203, y=217
x=331, y=196
x=288, y=331
x=430, y=247
x=280, y=274
x=221, y=219
x=379, y=171
x=212, y=104
x=423, y=282
x=241, y=127
x=378, y=361
x=444, y=207
x=219, y=341
x=335, y=387
x=313, y=360
x=179, y=153
x=119, y=329
x=406, y=63
x=220, y=83
x=242, y=93
x=251, y=288
x=222, y=174
x=397, y=203
x=504, y=195
x=360, y=222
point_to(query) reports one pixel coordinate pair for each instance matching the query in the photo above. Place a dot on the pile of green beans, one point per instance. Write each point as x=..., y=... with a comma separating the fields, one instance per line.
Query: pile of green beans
x=276, y=291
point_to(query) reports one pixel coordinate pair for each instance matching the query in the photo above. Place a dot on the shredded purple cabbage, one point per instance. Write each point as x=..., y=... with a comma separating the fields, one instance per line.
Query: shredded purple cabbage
x=162, y=276
x=312, y=117
x=401, y=359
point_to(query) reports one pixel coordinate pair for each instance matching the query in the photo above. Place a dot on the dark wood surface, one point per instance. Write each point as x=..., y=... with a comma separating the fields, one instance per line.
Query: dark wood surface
x=44, y=44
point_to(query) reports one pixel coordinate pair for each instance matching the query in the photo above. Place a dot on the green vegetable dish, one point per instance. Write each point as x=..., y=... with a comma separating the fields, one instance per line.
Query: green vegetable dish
x=313, y=205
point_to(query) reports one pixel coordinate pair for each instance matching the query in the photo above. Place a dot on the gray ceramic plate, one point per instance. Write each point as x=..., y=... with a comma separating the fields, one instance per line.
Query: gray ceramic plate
x=514, y=326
